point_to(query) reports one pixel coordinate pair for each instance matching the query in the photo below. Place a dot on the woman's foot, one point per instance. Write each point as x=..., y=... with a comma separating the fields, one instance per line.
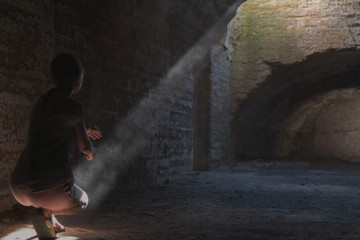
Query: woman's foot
x=58, y=227
x=43, y=225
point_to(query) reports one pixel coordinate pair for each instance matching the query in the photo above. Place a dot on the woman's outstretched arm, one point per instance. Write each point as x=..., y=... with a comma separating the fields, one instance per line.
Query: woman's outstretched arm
x=84, y=144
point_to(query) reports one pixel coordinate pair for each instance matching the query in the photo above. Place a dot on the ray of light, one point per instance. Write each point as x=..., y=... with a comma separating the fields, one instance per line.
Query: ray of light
x=134, y=132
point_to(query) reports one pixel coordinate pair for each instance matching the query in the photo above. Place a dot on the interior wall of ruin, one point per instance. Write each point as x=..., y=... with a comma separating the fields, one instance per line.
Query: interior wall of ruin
x=127, y=49
x=270, y=34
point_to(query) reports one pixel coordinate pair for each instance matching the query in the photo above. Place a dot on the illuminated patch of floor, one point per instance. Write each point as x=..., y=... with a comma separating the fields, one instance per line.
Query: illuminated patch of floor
x=28, y=233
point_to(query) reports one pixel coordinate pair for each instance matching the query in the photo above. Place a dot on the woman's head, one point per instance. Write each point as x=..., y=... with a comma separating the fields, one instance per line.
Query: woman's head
x=67, y=72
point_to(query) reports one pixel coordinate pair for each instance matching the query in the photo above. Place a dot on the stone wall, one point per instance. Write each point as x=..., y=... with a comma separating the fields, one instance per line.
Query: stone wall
x=326, y=125
x=266, y=34
x=127, y=49
x=220, y=103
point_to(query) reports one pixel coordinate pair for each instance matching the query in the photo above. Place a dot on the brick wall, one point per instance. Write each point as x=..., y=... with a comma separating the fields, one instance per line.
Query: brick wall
x=220, y=103
x=127, y=48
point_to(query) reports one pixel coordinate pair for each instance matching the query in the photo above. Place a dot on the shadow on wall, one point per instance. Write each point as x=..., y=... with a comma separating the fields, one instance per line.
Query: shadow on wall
x=301, y=109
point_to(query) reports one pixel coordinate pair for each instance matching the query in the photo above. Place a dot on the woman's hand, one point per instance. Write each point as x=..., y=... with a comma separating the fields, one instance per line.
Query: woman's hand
x=94, y=133
x=90, y=156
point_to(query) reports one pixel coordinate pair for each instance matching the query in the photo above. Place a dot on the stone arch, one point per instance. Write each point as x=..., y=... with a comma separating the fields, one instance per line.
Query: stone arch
x=286, y=52
x=267, y=122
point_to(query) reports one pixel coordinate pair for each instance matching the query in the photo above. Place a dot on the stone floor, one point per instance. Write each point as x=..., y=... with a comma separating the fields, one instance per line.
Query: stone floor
x=244, y=203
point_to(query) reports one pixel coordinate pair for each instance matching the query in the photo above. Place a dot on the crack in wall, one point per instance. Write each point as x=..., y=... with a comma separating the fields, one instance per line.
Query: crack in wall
x=349, y=27
x=351, y=33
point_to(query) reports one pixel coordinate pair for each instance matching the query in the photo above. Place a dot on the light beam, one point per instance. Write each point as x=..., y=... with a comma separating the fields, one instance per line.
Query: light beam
x=135, y=131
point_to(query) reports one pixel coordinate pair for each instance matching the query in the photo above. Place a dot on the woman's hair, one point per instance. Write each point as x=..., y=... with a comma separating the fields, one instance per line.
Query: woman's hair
x=66, y=70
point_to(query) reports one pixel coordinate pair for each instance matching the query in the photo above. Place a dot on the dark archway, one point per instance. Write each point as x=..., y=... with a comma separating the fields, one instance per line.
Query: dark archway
x=258, y=124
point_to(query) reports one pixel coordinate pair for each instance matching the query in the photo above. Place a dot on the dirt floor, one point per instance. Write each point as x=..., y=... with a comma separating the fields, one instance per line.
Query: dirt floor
x=245, y=203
